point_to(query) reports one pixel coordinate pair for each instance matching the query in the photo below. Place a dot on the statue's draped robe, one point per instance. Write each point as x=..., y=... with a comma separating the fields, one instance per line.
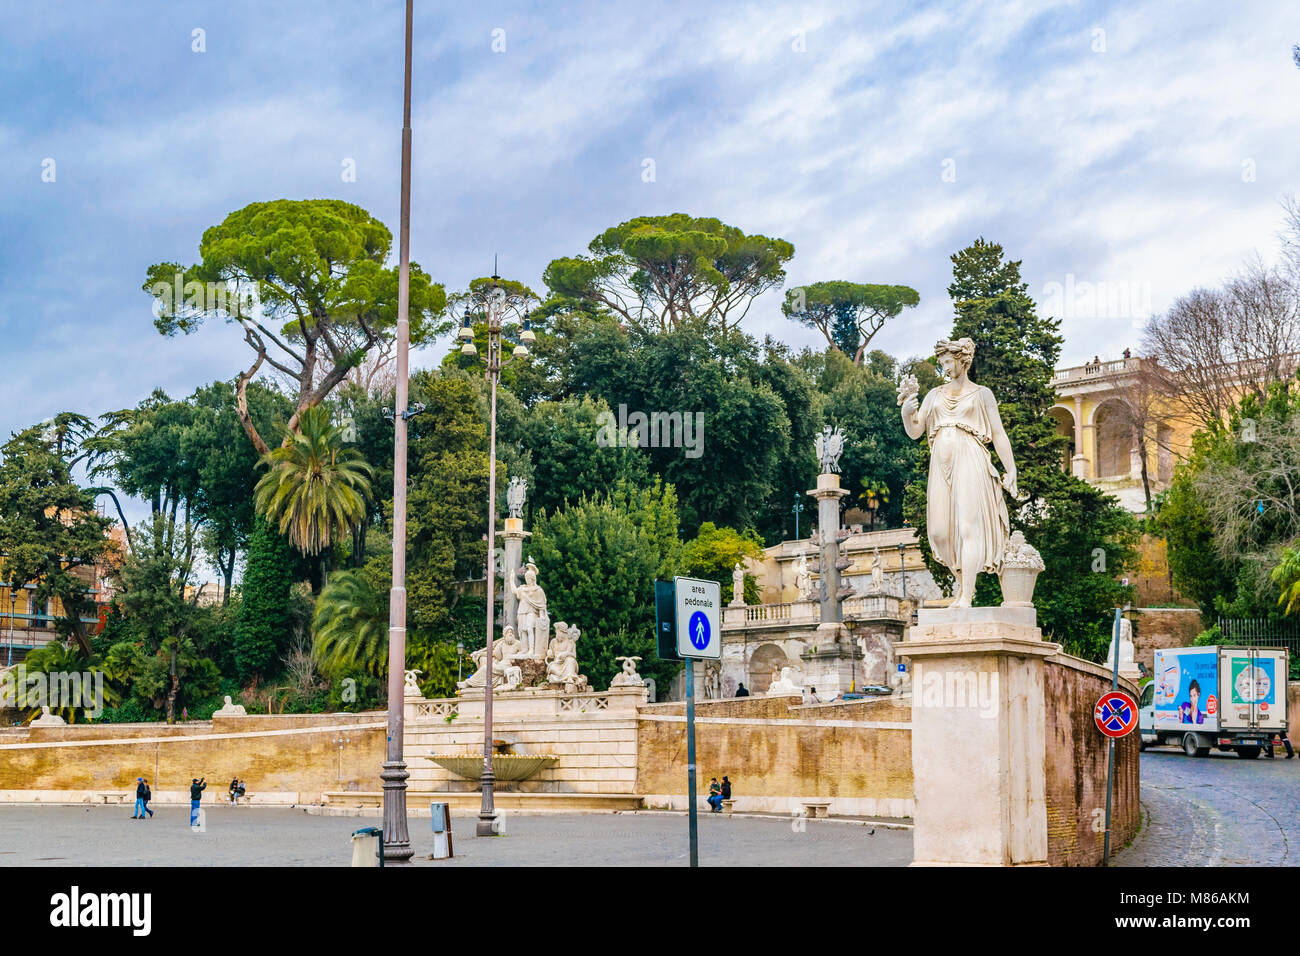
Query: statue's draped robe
x=964, y=495
x=533, y=623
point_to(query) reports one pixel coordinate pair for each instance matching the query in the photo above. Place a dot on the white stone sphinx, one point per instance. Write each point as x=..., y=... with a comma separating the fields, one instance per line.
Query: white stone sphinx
x=562, y=659
x=531, y=616
x=627, y=677
x=48, y=719
x=229, y=709
x=785, y=686
x=966, y=513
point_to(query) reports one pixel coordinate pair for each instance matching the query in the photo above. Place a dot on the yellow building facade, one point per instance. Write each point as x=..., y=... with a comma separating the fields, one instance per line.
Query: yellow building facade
x=26, y=624
x=1090, y=411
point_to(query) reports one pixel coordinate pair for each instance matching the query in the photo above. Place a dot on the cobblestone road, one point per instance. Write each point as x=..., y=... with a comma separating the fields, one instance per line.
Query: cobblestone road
x=107, y=836
x=1218, y=810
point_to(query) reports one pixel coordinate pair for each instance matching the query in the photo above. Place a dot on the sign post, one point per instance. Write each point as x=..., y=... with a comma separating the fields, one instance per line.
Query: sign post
x=688, y=619
x=1116, y=715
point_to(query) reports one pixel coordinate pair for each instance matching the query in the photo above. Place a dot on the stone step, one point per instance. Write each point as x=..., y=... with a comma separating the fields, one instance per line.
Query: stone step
x=503, y=800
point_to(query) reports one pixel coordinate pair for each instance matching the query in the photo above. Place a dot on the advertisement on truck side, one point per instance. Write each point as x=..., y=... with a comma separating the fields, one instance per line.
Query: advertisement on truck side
x=1187, y=687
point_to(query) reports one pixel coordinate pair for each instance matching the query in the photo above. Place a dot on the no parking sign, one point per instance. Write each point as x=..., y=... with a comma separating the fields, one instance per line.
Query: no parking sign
x=1116, y=714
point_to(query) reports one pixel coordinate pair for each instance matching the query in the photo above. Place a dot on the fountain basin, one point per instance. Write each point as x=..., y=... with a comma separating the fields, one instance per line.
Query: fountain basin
x=505, y=767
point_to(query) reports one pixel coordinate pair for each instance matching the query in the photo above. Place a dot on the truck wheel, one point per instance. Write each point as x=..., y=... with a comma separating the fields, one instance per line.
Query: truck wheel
x=1192, y=746
x=1142, y=744
x=1249, y=753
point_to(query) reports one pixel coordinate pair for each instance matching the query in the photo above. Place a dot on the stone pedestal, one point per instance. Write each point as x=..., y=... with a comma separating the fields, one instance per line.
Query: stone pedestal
x=828, y=494
x=513, y=545
x=978, y=736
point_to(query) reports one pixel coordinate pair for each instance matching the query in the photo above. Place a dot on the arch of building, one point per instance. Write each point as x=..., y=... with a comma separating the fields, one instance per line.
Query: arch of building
x=1113, y=437
x=1064, y=419
x=765, y=665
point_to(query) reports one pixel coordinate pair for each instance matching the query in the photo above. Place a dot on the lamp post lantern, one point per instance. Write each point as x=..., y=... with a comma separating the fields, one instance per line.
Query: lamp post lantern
x=495, y=308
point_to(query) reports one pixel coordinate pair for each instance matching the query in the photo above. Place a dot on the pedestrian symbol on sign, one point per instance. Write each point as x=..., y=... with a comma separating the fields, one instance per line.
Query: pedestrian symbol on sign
x=699, y=630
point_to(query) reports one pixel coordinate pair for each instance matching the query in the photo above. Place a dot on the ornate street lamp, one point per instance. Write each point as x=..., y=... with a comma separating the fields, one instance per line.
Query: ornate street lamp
x=495, y=308
x=798, y=507
x=397, y=841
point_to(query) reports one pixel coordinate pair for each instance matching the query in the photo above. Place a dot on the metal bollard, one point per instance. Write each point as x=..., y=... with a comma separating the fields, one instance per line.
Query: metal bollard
x=440, y=816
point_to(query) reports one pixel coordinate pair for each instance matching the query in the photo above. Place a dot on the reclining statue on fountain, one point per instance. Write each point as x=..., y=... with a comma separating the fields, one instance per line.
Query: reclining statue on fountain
x=562, y=659
x=506, y=674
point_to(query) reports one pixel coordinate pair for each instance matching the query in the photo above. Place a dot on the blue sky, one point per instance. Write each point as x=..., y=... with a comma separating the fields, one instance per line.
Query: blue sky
x=1143, y=145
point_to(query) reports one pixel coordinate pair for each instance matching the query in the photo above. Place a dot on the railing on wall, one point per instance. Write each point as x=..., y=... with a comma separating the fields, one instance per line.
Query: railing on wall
x=1261, y=632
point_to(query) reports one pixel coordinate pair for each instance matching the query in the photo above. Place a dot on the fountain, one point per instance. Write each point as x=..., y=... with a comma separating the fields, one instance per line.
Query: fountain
x=507, y=766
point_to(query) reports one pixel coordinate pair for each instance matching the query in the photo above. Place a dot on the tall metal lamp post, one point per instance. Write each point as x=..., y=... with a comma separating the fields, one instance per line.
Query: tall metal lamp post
x=798, y=507
x=495, y=307
x=397, y=841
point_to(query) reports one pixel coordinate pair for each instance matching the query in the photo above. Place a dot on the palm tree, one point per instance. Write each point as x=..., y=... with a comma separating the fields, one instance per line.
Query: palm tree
x=350, y=626
x=317, y=489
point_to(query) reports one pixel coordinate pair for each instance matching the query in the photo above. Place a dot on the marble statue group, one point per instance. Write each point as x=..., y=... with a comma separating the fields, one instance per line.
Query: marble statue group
x=527, y=647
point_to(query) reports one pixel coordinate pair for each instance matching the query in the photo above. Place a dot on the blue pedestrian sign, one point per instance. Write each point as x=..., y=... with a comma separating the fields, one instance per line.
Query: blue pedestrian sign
x=698, y=618
x=699, y=629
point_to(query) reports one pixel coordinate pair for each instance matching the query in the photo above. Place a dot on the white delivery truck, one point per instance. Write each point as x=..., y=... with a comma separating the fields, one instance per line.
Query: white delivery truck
x=1232, y=698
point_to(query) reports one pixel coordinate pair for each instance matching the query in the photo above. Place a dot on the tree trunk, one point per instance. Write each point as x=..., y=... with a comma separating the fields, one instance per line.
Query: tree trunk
x=229, y=571
x=171, y=696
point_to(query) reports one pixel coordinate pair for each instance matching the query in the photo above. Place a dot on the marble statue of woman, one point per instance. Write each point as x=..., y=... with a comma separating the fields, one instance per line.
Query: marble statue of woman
x=877, y=573
x=966, y=514
x=803, y=578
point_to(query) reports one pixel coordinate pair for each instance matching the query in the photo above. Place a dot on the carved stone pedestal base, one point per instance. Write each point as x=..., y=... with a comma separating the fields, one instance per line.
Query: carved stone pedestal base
x=978, y=737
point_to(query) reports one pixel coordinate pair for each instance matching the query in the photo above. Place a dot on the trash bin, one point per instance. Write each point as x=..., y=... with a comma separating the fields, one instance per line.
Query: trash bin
x=440, y=815
x=368, y=847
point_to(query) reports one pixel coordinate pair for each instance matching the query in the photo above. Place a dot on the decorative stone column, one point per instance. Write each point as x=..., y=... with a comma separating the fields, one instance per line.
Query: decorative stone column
x=828, y=494
x=513, y=544
x=978, y=736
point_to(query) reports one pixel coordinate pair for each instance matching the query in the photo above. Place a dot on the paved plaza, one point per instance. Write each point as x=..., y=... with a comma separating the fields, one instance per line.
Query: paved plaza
x=107, y=836
x=1218, y=810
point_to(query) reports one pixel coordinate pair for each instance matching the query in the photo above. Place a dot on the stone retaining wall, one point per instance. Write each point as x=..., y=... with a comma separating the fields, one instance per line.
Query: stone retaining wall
x=856, y=754
x=1076, y=766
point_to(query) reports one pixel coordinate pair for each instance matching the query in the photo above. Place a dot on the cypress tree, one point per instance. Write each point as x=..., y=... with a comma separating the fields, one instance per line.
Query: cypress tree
x=262, y=629
x=1086, y=538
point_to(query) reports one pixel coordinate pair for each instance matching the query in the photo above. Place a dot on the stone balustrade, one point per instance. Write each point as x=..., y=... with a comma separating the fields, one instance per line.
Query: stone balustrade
x=805, y=613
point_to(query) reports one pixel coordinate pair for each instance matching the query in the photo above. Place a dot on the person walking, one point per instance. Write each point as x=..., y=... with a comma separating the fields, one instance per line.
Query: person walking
x=140, y=790
x=1286, y=742
x=197, y=786
x=148, y=795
